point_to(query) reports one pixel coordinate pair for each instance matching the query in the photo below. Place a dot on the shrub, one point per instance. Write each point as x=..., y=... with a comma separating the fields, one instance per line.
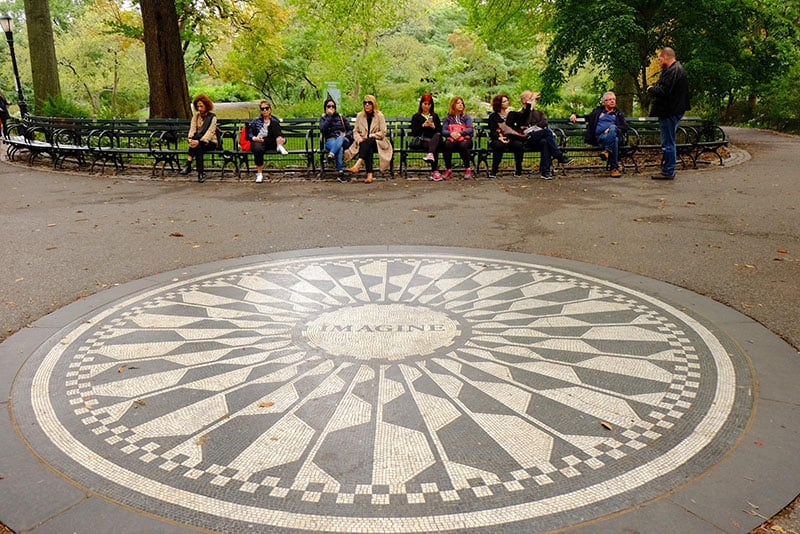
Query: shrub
x=62, y=106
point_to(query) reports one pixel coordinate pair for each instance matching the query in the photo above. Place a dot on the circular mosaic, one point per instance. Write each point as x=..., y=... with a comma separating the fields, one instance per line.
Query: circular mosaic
x=383, y=392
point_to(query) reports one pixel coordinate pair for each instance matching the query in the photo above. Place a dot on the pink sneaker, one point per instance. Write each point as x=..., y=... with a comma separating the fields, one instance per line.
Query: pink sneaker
x=467, y=173
x=448, y=174
x=436, y=176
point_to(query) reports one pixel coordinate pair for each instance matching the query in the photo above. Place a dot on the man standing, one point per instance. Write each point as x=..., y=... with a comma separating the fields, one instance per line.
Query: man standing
x=670, y=101
x=540, y=136
x=604, y=127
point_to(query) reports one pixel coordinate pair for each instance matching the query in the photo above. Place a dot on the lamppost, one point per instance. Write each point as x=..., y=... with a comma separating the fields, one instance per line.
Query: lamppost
x=7, y=25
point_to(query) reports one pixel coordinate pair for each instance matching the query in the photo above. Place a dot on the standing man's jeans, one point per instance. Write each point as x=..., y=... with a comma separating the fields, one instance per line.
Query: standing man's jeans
x=610, y=142
x=337, y=146
x=669, y=130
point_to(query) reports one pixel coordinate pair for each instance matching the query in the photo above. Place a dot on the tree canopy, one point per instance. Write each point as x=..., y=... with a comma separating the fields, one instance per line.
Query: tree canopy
x=738, y=53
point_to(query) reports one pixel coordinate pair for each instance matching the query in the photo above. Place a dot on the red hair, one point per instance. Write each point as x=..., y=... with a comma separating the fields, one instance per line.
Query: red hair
x=205, y=100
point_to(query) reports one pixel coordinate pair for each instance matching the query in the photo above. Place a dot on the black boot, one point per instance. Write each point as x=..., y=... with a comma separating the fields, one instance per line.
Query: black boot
x=200, y=176
x=187, y=169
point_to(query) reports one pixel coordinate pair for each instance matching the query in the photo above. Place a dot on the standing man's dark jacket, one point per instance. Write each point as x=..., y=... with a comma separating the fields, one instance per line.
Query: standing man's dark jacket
x=671, y=93
x=592, y=118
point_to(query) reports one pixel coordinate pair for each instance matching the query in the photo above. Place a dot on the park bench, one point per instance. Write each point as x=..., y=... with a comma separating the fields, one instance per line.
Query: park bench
x=694, y=138
x=300, y=157
x=705, y=138
x=574, y=145
x=410, y=158
x=393, y=129
x=162, y=143
x=32, y=140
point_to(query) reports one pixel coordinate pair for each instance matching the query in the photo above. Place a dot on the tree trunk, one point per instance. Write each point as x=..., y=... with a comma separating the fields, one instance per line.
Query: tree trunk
x=625, y=89
x=166, y=72
x=44, y=67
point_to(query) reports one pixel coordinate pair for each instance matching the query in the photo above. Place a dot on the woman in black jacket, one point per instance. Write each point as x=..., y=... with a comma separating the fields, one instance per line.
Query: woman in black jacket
x=265, y=134
x=426, y=129
x=504, y=136
x=335, y=129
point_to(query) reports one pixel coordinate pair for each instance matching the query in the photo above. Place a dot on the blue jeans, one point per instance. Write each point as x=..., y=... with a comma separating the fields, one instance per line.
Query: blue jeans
x=669, y=130
x=610, y=142
x=337, y=145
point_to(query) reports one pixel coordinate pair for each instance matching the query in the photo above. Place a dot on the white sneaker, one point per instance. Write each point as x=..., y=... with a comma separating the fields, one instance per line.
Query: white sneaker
x=259, y=178
x=282, y=150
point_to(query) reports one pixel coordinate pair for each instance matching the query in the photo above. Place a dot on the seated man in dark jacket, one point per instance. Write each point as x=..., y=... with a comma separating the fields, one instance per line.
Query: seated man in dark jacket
x=605, y=125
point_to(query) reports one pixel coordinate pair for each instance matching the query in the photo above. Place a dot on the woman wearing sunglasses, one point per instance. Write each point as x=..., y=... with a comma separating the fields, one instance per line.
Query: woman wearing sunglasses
x=369, y=136
x=335, y=129
x=265, y=134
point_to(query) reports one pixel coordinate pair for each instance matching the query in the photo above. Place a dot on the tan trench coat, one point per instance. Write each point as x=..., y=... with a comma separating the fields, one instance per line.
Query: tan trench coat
x=378, y=131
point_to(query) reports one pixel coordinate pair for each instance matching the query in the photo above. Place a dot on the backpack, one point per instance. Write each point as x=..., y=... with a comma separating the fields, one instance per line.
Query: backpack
x=244, y=142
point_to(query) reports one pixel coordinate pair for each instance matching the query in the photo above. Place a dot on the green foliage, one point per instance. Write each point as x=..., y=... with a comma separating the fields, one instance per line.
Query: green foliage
x=227, y=92
x=62, y=106
x=780, y=106
x=740, y=54
x=95, y=63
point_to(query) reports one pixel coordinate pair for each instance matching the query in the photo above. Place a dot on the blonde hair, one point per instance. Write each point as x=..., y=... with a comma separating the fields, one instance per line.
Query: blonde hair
x=374, y=101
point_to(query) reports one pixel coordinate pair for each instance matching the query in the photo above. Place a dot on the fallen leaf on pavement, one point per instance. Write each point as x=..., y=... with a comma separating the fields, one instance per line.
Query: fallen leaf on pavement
x=782, y=251
x=607, y=426
x=176, y=234
x=201, y=440
x=265, y=404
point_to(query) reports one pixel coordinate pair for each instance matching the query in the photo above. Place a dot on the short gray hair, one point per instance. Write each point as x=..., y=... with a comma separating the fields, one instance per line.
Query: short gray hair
x=606, y=95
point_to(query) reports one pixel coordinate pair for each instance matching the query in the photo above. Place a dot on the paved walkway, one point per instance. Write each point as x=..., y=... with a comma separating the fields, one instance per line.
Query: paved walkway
x=393, y=382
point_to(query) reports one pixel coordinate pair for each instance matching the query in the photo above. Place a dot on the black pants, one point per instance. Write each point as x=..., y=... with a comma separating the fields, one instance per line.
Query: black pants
x=517, y=146
x=367, y=149
x=432, y=146
x=259, y=148
x=198, y=151
x=463, y=148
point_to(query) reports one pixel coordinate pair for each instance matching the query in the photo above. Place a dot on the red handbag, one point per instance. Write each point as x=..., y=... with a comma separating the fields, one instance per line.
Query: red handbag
x=244, y=142
x=457, y=127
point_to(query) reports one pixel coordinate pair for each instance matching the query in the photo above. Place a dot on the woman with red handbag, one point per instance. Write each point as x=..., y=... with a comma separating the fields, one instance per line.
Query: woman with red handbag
x=457, y=132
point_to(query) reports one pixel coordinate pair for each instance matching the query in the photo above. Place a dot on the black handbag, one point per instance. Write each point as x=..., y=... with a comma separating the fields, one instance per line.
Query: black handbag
x=420, y=143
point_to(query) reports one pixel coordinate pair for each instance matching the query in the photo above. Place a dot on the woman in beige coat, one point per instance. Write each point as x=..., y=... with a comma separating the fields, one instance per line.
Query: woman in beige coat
x=370, y=136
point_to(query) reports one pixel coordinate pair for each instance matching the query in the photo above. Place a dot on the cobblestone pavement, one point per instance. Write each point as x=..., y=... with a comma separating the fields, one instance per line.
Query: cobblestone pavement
x=391, y=382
